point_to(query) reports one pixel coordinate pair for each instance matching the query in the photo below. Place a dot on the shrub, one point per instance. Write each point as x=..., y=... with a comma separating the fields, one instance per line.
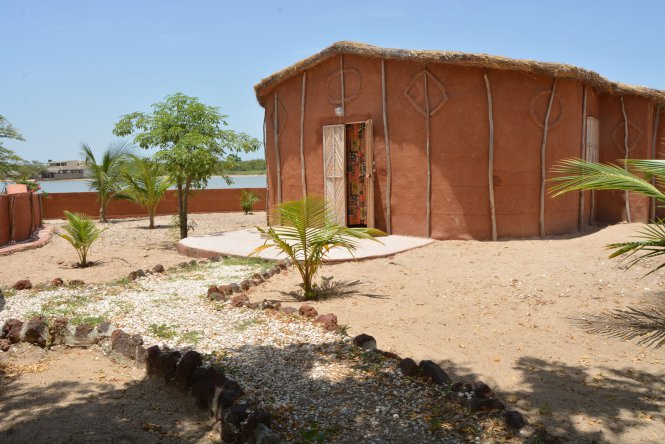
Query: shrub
x=247, y=201
x=81, y=233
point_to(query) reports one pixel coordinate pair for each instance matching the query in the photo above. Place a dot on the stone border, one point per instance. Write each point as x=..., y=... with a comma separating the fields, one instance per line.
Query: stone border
x=37, y=240
x=236, y=421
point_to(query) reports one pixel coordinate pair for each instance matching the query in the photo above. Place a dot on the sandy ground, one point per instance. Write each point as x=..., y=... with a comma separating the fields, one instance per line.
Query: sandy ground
x=504, y=312
x=82, y=396
x=126, y=245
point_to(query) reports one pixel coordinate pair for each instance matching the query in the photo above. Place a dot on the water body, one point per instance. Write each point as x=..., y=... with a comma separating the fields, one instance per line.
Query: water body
x=215, y=182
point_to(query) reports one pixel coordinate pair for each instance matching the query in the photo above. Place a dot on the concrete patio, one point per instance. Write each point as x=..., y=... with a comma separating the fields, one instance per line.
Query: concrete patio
x=240, y=243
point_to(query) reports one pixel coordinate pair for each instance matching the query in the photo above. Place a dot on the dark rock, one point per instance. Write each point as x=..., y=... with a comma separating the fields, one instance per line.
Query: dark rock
x=152, y=365
x=513, y=419
x=140, y=273
x=226, y=290
x=485, y=405
x=85, y=334
x=57, y=282
x=239, y=300
x=327, y=321
x=23, y=284
x=240, y=421
x=140, y=355
x=226, y=396
x=246, y=285
x=482, y=390
x=430, y=370
x=12, y=330
x=216, y=296
x=104, y=330
x=168, y=364
x=257, y=277
x=183, y=264
x=408, y=367
x=5, y=344
x=265, y=275
x=282, y=265
x=76, y=283
x=206, y=382
x=58, y=331
x=253, y=305
x=257, y=282
x=125, y=344
x=235, y=288
x=275, y=270
x=159, y=268
x=308, y=311
x=132, y=276
x=364, y=341
x=36, y=331
x=185, y=367
x=213, y=289
x=289, y=310
x=457, y=387
x=214, y=259
x=270, y=305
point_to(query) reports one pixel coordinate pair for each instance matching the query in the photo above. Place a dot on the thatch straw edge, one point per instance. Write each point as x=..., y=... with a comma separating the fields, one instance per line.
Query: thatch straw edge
x=559, y=70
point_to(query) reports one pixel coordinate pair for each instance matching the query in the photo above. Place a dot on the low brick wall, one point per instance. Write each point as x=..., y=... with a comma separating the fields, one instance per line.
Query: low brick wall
x=20, y=215
x=200, y=201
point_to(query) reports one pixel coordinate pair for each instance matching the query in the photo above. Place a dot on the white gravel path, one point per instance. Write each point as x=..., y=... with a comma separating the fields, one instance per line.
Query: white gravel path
x=318, y=387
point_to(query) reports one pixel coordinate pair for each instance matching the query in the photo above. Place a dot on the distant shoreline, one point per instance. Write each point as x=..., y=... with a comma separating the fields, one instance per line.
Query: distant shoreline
x=84, y=179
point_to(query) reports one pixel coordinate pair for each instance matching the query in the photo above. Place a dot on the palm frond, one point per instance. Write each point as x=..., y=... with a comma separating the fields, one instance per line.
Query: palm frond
x=579, y=175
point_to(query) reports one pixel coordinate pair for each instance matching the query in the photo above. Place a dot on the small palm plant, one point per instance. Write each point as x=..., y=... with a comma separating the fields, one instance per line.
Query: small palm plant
x=638, y=176
x=308, y=234
x=142, y=182
x=81, y=233
x=247, y=201
x=105, y=176
x=635, y=176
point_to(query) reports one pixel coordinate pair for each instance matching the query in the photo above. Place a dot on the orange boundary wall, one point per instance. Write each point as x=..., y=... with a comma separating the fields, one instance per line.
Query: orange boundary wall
x=15, y=210
x=200, y=201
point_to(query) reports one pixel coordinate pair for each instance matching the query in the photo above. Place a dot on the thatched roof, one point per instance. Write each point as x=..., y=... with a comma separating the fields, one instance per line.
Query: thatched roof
x=591, y=78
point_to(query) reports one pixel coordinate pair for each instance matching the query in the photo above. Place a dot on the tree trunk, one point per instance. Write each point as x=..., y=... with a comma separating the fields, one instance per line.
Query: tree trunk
x=102, y=212
x=180, y=208
x=183, y=210
x=152, y=218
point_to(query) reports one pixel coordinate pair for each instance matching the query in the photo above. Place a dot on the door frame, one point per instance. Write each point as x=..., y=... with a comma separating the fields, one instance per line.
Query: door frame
x=369, y=171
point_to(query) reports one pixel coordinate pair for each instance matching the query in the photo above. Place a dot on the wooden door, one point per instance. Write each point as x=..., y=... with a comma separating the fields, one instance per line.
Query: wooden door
x=334, y=171
x=369, y=181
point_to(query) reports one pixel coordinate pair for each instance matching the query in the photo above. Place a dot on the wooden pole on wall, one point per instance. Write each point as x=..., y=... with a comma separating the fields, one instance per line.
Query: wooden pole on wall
x=265, y=155
x=543, y=153
x=580, y=222
x=490, y=162
x=428, y=228
x=12, y=222
x=625, y=155
x=386, y=137
x=341, y=79
x=302, y=135
x=277, y=160
x=654, y=143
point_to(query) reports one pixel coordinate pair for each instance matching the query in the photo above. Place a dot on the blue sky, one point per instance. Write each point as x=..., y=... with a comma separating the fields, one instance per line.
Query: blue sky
x=70, y=69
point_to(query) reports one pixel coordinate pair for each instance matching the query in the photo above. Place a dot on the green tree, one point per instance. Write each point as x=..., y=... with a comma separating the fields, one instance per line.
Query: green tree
x=190, y=139
x=635, y=175
x=81, y=232
x=105, y=177
x=10, y=162
x=307, y=236
x=143, y=182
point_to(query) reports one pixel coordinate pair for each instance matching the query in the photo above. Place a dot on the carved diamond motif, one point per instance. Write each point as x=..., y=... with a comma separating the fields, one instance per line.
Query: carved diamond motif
x=436, y=93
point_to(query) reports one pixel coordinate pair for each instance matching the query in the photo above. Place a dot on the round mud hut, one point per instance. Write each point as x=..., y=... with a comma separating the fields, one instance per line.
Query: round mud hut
x=451, y=145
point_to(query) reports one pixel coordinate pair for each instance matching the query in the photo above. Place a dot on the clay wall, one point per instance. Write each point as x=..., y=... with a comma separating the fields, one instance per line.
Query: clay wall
x=459, y=141
x=610, y=205
x=200, y=201
x=16, y=209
